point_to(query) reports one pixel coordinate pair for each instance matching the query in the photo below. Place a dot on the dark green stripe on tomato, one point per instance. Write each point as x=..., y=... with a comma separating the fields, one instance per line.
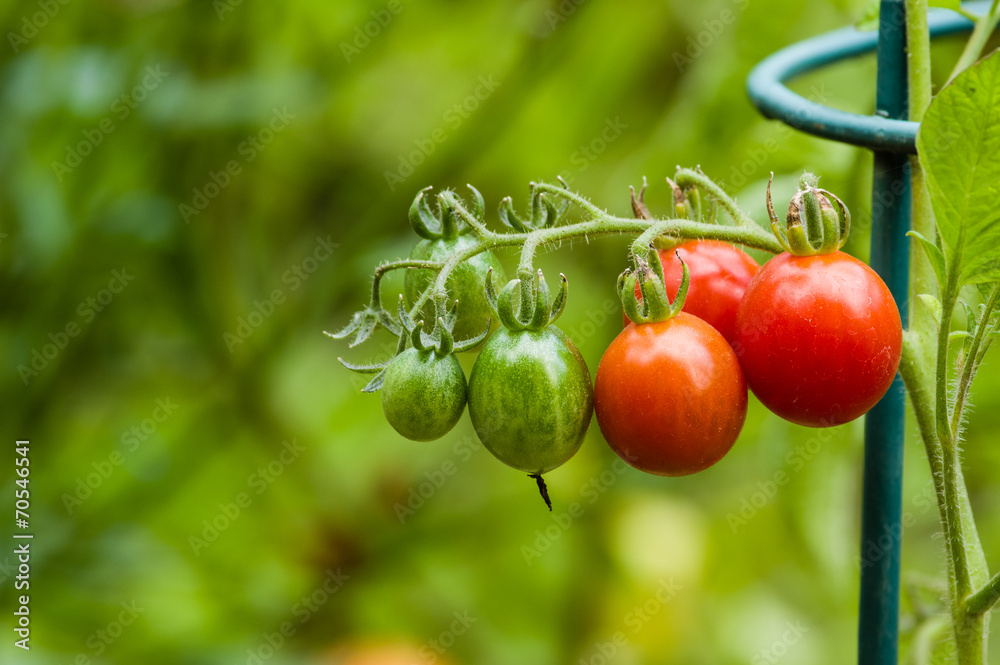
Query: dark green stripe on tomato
x=423, y=396
x=531, y=398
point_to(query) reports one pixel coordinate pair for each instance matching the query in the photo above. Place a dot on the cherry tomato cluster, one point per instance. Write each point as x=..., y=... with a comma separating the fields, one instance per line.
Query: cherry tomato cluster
x=813, y=333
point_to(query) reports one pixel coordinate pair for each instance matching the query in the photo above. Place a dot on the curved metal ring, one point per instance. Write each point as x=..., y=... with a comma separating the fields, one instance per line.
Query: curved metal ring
x=767, y=91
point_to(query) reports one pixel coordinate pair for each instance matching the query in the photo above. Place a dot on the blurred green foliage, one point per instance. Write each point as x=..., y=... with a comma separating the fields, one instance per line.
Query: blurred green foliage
x=208, y=151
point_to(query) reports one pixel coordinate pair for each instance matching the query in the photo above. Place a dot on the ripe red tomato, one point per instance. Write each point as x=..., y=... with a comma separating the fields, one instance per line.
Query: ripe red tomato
x=720, y=274
x=818, y=337
x=670, y=396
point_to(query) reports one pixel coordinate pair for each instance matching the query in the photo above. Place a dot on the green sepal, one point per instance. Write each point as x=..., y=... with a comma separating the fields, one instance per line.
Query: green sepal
x=479, y=204
x=934, y=254
x=449, y=220
x=375, y=384
x=817, y=222
x=544, y=213
x=626, y=291
x=534, y=310
x=559, y=302
x=656, y=304
x=472, y=342
x=424, y=222
x=363, y=369
x=361, y=325
x=541, y=311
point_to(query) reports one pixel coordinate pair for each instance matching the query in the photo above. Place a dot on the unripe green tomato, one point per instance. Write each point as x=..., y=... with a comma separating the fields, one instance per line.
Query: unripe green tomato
x=531, y=398
x=423, y=396
x=466, y=283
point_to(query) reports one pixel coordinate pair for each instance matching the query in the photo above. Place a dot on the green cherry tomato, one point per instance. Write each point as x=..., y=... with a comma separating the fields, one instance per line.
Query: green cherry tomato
x=423, y=396
x=465, y=283
x=531, y=398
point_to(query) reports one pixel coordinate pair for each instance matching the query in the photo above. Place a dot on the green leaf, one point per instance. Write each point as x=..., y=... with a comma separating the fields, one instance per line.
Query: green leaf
x=958, y=143
x=934, y=255
x=947, y=4
x=933, y=304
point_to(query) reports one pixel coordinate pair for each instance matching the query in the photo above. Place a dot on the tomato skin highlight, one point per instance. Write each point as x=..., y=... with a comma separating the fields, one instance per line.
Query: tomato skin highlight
x=531, y=398
x=423, y=396
x=465, y=283
x=819, y=338
x=720, y=273
x=670, y=396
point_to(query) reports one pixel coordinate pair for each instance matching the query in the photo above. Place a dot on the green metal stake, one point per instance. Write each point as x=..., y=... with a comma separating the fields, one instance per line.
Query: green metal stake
x=881, y=529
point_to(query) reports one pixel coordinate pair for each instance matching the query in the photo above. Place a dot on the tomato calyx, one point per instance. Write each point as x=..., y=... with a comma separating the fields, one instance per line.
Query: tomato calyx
x=817, y=222
x=443, y=223
x=653, y=304
x=440, y=341
x=544, y=213
x=534, y=310
x=685, y=203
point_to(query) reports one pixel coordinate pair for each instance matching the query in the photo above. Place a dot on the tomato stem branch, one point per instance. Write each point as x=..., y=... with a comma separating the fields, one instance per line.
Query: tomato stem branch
x=982, y=601
x=688, y=177
x=602, y=223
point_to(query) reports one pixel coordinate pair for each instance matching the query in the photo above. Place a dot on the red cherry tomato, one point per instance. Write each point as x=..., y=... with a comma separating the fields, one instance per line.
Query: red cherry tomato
x=818, y=337
x=670, y=396
x=720, y=274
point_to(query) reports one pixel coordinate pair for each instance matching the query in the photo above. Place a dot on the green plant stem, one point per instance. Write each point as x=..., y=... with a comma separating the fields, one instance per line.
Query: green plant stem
x=601, y=224
x=971, y=364
x=965, y=553
x=924, y=366
x=381, y=271
x=982, y=601
x=919, y=382
x=985, y=25
x=922, y=219
x=949, y=446
x=688, y=177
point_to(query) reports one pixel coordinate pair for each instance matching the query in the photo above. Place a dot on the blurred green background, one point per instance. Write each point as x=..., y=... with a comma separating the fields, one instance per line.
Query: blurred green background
x=200, y=457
